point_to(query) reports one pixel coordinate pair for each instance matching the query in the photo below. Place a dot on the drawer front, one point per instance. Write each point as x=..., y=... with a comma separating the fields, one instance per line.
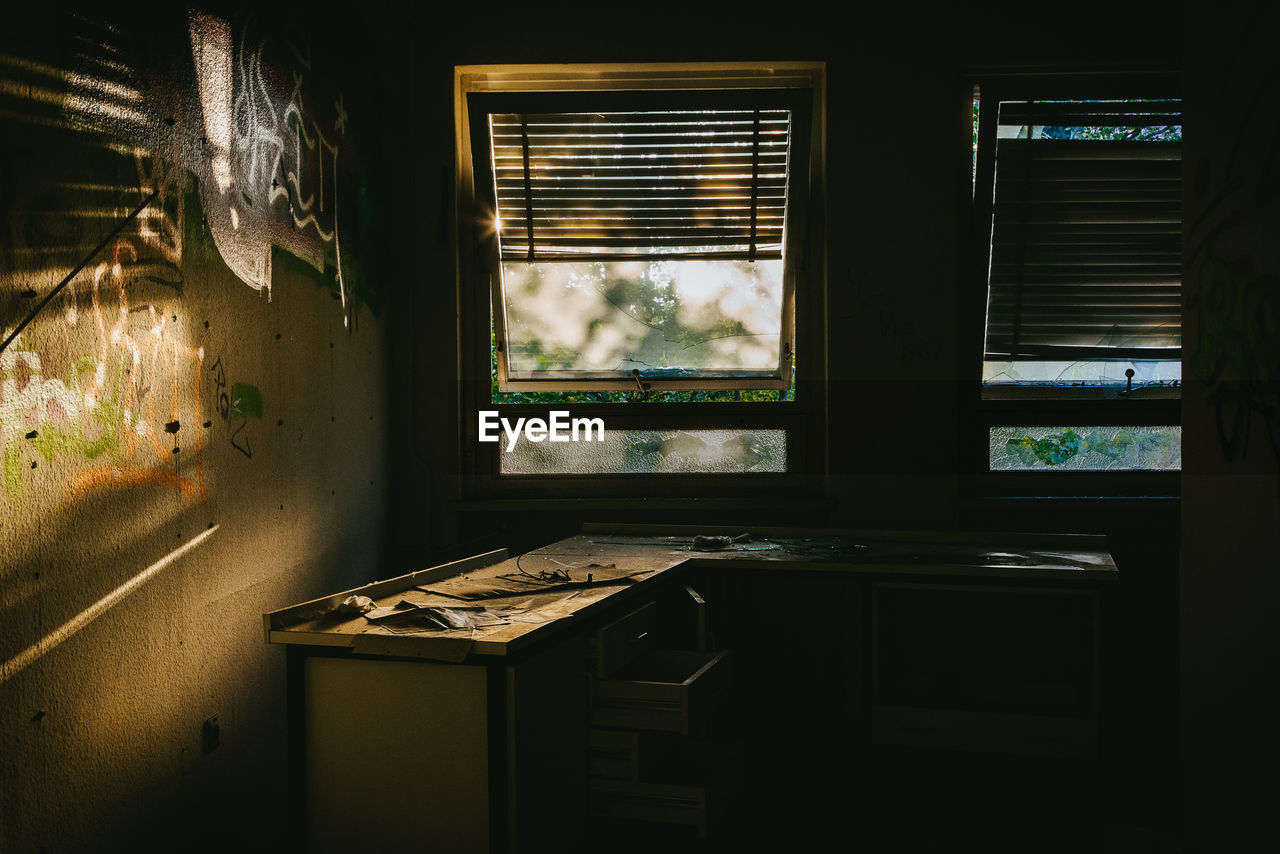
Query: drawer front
x=685, y=688
x=624, y=640
x=614, y=754
x=656, y=802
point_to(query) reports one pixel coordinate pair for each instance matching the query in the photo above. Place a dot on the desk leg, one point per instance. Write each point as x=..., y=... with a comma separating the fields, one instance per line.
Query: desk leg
x=295, y=746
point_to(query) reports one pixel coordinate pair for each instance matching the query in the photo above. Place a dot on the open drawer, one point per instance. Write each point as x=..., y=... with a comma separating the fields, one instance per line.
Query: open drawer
x=624, y=640
x=666, y=689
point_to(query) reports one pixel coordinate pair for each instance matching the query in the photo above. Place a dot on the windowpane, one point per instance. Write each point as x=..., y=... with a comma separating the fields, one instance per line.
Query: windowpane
x=654, y=451
x=1107, y=374
x=1096, y=448
x=641, y=240
x=665, y=318
x=1085, y=256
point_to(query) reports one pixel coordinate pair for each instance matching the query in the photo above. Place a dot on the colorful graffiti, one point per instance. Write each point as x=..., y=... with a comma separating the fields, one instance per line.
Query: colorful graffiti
x=250, y=151
x=125, y=404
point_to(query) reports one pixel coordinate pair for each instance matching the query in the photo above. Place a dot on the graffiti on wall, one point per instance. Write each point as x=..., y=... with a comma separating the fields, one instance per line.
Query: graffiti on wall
x=1235, y=286
x=1238, y=359
x=248, y=143
x=269, y=166
x=237, y=403
x=116, y=394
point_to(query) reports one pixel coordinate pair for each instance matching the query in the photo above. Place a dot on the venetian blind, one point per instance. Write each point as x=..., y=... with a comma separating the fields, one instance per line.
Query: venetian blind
x=677, y=183
x=1085, y=246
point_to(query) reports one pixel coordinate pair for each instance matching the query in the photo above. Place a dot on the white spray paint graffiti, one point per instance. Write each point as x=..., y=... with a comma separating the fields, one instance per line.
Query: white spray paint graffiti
x=259, y=158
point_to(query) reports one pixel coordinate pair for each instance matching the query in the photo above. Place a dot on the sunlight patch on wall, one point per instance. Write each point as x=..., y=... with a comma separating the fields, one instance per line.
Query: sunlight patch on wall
x=211, y=48
x=51, y=641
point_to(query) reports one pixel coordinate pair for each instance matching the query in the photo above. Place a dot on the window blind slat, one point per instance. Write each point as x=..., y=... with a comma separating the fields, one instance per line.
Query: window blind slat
x=1085, y=244
x=1090, y=150
x=689, y=235
x=1091, y=114
x=651, y=183
x=682, y=240
x=673, y=181
x=560, y=170
x=675, y=199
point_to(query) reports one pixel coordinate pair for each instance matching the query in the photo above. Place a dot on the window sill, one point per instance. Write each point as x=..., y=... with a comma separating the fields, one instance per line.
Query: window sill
x=796, y=504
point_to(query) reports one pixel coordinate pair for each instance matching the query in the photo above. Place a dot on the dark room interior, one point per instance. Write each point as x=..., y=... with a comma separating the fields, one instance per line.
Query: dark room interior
x=936, y=501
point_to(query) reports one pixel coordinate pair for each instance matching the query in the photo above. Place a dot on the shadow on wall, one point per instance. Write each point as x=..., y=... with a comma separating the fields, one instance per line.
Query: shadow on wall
x=113, y=377
x=158, y=175
x=1235, y=285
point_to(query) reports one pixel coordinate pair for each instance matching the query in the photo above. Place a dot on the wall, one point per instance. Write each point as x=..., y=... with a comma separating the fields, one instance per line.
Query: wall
x=904, y=342
x=891, y=277
x=1231, y=430
x=128, y=620
x=192, y=432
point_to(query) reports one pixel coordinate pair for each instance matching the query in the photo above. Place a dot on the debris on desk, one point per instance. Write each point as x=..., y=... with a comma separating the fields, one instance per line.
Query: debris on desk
x=391, y=610
x=526, y=581
x=674, y=545
x=826, y=549
x=406, y=616
x=353, y=605
x=717, y=542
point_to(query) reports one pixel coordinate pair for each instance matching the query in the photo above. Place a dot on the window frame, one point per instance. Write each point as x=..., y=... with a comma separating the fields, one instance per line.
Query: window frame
x=803, y=418
x=483, y=104
x=1041, y=407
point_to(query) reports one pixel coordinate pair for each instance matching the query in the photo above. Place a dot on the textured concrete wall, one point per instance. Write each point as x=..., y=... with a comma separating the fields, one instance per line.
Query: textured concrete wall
x=192, y=430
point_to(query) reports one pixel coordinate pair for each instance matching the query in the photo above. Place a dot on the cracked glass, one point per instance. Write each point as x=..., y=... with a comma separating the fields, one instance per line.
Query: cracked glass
x=1085, y=448
x=654, y=452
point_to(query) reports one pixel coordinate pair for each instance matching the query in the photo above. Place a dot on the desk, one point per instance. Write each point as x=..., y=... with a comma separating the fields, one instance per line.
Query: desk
x=475, y=739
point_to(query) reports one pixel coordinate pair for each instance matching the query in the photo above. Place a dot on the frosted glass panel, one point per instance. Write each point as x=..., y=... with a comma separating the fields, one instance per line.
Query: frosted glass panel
x=1086, y=449
x=1086, y=373
x=671, y=318
x=654, y=452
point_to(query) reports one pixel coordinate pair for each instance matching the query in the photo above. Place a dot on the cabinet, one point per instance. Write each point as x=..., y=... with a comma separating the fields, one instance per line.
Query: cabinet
x=470, y=740
x=648, y=709
x=582, y=704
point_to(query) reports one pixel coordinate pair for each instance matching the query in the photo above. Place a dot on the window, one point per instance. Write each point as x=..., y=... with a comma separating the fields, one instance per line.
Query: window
x=641, y=239
x=1078, y=203
x=639, y=244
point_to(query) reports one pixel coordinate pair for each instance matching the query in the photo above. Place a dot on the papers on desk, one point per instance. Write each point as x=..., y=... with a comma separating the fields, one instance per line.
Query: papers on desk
x=470, y=588
x=405, y=616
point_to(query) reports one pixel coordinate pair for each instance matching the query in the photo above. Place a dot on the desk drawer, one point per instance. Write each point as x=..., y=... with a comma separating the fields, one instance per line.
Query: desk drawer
x=624, y=640
x=665, y=803
x=667, y=690
x=614, y=754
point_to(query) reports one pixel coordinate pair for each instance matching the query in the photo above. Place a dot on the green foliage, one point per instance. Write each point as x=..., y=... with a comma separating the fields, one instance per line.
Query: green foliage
x=1051, y=450
x=1114, y=448
x=650, y=298
x=1054, y=450
x=1161, y=133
